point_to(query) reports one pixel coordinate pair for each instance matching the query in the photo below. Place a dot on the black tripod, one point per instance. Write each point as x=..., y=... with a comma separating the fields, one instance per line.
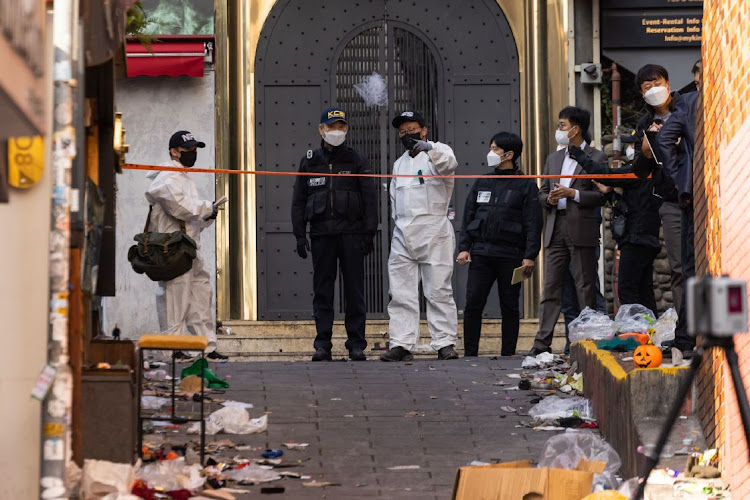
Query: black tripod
x=709, y=341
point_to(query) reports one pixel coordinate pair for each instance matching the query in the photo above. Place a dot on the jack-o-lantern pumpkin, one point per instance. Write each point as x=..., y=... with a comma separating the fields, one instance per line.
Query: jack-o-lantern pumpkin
x=647, y=356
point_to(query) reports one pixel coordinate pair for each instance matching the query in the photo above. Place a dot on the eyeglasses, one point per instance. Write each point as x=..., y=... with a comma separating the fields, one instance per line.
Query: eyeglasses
x=410, y=131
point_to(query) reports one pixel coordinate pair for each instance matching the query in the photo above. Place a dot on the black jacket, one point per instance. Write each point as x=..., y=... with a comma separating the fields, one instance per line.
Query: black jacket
x=639, y=203
x=679, y=156
x=502, y=218
x=676, y=142
x=334, y=205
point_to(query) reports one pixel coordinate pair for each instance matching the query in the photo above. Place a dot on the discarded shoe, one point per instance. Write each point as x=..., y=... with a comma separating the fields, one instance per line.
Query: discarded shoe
x=535, y=351
x=180, y=356
x=321, y=354
x=447, y=352
x=397, y=353
x=357, y=354
x=216, y=355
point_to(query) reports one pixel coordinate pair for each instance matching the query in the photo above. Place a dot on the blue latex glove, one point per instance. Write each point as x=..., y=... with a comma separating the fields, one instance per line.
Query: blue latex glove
x=422, y=146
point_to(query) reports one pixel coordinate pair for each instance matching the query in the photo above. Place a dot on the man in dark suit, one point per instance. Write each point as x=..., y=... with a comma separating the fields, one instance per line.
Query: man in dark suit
x=571, y=235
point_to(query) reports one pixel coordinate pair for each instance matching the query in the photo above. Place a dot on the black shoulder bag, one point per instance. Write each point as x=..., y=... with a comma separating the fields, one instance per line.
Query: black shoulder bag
x=162, y=256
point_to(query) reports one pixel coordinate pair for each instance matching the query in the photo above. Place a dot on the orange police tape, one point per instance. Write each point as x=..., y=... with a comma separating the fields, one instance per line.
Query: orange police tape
x=192, y=170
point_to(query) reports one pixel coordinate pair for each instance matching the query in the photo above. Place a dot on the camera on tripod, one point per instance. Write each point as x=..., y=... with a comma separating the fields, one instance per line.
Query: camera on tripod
x=716, y=306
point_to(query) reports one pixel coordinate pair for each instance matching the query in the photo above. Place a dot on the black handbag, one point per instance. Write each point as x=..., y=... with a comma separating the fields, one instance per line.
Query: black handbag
x=162, y=256
x=620, y=220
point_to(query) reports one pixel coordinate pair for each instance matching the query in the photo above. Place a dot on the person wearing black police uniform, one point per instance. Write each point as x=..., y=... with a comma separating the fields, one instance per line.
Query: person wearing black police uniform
x=342, y=212
x=501, y=231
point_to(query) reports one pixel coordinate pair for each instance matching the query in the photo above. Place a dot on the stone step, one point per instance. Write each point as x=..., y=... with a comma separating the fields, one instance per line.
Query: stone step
x=293, y=340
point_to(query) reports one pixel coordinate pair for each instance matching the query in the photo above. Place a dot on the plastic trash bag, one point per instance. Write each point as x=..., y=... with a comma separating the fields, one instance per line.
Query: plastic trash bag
x=539, y=361
x=554, y=407
x=634, y=318
x=373, y=90
x=665, y=327
x=100, y=478
x=232, y=420
x=172, y=475
x=153, y=402
x=564, y=451
x=253, y=474
x=592, y=325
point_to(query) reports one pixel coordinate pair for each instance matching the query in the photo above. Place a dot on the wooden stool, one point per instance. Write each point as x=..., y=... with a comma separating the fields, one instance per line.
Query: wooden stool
x=172, y=343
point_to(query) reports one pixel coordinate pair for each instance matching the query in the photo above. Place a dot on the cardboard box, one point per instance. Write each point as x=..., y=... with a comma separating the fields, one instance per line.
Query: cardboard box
x=520, y=481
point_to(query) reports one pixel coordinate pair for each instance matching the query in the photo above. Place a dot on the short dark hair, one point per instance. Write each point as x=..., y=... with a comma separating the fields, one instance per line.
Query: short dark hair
x=577, y=116
x=508, y=142
x=649, y=73
x=696, y=68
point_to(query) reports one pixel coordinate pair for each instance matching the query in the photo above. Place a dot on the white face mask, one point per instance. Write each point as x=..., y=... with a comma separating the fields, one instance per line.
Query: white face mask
x=656, y=96
x=561, y=136
x=334, y=137
x=493, y=159
x=630, y=152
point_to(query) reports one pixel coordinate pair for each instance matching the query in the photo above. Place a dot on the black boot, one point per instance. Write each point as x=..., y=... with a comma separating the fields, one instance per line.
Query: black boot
x=397, y=354
x=321, y=354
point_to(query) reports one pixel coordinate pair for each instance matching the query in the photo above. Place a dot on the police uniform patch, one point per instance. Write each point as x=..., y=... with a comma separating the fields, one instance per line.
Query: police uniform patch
x=309, y=154
x=484, y=196
x=317, y=181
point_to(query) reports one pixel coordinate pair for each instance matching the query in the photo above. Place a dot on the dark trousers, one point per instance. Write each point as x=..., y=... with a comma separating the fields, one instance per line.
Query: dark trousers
x=570, y=308
x=483, y=272
x=636, y=278
x=682, y=340
x=328, y=254
x=560, y=254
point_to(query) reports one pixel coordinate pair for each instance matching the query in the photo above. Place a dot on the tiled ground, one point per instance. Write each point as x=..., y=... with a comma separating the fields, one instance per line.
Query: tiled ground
x=358, y=420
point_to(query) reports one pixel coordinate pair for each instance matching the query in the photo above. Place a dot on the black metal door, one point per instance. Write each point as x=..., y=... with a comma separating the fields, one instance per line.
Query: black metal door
x=455, y=62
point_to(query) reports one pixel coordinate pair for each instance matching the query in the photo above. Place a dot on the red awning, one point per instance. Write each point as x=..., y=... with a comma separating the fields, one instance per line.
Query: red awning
x=166, y=58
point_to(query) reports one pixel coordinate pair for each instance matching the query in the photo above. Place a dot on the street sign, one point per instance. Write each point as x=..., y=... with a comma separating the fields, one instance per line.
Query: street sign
x=639, y=29
x=25, y=161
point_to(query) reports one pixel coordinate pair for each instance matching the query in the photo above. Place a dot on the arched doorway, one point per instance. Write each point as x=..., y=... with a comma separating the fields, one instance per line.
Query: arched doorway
x=458, y=65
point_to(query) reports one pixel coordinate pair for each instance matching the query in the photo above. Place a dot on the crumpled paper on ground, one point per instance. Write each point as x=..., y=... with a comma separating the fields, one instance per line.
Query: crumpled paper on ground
x=232, y=420
x=539, y=361
x=101, y=477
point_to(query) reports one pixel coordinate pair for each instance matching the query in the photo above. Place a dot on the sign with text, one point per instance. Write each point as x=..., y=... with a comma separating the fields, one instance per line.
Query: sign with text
x=25, y=161
x=627, y=29
x=649, y=4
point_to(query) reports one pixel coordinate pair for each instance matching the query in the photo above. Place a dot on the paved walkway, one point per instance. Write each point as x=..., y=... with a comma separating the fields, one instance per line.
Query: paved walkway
x=363, y=418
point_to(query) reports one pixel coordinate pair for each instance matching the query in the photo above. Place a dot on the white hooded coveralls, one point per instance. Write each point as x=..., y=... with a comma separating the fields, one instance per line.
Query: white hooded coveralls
x=422, y=248
x=184, y=303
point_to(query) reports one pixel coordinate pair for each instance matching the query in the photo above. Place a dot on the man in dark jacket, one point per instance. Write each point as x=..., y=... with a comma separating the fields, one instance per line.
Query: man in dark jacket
x=673, y=124
x=635, y=227
x=501, y=231
x=342, y=212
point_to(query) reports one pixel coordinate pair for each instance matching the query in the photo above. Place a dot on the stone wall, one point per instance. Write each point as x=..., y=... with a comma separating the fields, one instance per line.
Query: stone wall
x=662, y=274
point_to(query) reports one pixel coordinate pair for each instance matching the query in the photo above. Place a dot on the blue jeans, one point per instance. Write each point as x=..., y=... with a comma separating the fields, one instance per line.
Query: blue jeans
x=570, y=308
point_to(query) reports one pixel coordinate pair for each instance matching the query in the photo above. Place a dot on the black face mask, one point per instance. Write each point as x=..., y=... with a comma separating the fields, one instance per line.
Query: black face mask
x=408, y=140
x=187, y=158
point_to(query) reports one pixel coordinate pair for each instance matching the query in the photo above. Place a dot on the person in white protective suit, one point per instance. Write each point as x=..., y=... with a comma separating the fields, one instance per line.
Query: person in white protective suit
x=423, y=243
x=184, y=303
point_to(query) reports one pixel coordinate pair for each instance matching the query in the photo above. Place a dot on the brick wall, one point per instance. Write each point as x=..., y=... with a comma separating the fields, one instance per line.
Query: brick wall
x=722, y=211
